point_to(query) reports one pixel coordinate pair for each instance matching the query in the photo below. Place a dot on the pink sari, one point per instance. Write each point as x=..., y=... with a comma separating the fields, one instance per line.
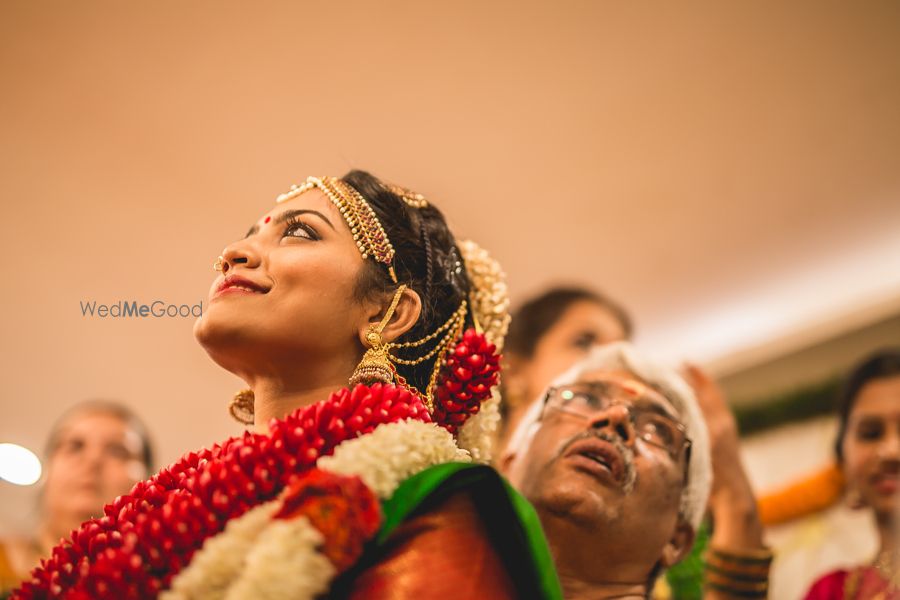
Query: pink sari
x=861, y=583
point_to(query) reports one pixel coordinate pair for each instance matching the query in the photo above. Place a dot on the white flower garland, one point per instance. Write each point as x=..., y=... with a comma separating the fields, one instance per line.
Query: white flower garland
x=214, y=568
x=284, y=564
x=393, y=453
x=259, y=557
x=478, y=433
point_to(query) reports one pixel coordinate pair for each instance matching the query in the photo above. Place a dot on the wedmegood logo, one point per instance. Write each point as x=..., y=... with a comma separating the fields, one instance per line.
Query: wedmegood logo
x=131, y=309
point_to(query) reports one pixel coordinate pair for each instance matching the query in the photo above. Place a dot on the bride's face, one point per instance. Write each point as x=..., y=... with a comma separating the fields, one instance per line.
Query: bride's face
x=287, y=292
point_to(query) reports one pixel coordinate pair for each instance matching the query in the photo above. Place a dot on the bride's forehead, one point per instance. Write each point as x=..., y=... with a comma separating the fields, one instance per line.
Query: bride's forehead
x=314, y=199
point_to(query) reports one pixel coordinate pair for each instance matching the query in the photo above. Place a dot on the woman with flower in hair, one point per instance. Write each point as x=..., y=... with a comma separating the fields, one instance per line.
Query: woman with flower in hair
x=368, y=338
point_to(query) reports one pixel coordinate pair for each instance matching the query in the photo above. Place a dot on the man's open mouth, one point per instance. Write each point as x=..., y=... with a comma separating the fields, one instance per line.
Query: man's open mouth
x=601, y=453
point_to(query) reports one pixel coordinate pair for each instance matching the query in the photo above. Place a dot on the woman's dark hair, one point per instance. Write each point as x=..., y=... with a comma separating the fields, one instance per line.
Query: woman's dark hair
x=534, y=318
x=426, y=259
x=106, y=407
x=883, y=363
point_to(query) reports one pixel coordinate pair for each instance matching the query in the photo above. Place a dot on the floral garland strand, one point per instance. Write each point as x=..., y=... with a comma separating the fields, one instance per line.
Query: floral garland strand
x=261, y=556
x=468, y=377
x=149, y=535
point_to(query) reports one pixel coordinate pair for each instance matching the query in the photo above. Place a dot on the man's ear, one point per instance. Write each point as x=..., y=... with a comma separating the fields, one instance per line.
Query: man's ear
x=679, y=546
x=405, y=315
x=505, y=463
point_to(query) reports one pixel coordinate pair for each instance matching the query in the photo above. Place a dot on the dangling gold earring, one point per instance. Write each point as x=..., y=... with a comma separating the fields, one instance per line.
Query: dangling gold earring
x=375, y=366
x=241, y=407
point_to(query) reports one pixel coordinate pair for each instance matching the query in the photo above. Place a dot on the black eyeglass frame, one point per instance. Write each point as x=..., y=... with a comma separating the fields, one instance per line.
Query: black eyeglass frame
x=674, y=452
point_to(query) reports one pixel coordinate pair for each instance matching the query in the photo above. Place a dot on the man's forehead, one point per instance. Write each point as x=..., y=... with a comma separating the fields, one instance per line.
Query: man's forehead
x=632, y=384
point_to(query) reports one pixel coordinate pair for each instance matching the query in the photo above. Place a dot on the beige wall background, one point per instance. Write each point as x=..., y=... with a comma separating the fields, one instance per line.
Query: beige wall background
x=729, y=171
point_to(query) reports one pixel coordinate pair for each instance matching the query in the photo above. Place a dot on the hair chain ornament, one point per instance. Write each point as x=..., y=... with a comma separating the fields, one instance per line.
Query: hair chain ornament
x=453, y=328
x=367, y=231
x=459, y=315
x=411, y=198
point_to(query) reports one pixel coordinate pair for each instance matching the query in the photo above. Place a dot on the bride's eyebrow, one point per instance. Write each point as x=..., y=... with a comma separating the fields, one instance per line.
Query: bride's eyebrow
x=301, y=211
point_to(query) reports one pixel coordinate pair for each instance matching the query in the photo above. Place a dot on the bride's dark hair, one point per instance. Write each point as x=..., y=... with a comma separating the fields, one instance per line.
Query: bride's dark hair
x=426, y=259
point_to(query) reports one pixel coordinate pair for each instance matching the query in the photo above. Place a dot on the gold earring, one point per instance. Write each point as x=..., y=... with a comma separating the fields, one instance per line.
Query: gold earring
x=241, y=407
x=375, y=366
x=219, y=265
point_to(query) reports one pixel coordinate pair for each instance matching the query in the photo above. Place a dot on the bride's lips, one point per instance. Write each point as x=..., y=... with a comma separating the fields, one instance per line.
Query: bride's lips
x=235, y=284
x=599, y=457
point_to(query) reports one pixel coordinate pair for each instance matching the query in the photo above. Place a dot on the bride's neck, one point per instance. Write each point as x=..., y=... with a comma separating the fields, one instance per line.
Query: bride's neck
x=281, y=387
x=274, y=399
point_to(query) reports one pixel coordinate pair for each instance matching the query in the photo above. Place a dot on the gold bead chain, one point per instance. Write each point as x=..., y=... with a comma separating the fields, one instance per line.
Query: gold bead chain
x=461, y=311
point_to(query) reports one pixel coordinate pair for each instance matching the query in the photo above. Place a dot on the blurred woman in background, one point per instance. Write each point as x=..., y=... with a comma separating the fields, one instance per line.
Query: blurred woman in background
x=548, y=334
x=868, y=452
x=96, y=451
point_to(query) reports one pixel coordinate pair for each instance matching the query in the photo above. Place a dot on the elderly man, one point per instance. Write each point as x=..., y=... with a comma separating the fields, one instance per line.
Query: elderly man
x=616, y=459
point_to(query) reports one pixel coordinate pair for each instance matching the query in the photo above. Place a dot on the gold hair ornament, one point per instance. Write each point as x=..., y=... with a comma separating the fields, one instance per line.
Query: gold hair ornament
x=452, y=329
x=367, y=231
x=413, y=199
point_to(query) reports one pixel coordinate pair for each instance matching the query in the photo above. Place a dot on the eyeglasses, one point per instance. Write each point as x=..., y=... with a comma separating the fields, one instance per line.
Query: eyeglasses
x=651, y=423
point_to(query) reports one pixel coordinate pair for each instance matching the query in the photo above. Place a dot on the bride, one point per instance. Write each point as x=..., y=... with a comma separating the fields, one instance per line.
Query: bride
x=368, y=338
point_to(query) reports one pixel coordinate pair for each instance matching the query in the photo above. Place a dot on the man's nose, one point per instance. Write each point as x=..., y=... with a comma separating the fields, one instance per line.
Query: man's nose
x=615, y=418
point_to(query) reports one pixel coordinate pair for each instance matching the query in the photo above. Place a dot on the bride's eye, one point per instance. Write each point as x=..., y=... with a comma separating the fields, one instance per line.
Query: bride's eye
x=294, y=227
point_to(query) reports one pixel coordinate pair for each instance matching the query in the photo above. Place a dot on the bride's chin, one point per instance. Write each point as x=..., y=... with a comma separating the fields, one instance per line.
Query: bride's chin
x=217, y=336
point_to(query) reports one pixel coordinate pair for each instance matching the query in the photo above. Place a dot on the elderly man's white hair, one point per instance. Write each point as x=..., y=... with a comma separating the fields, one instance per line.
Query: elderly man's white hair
x=622, y=356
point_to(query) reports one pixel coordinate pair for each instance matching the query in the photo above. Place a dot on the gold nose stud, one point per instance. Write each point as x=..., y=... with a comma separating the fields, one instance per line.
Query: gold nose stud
x=219, y=265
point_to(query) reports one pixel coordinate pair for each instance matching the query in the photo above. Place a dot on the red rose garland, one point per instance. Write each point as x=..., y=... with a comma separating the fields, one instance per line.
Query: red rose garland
x=149, y=535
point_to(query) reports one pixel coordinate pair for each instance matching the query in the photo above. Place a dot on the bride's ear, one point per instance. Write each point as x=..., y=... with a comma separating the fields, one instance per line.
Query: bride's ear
x=406, y=313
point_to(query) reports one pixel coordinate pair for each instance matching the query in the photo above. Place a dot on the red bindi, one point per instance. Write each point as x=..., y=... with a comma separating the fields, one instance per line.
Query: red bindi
x=267, y=219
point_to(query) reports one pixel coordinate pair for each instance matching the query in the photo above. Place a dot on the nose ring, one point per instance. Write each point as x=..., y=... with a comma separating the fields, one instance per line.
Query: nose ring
x=219, y=265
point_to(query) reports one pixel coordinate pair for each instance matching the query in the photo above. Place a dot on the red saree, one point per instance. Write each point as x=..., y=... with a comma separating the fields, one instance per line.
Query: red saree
x=861, y=583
